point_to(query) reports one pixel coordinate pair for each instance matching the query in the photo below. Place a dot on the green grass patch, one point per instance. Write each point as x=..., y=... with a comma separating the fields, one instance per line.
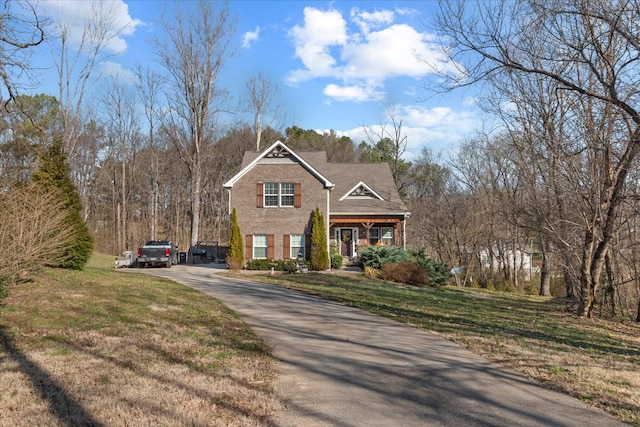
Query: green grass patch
x=534, y=335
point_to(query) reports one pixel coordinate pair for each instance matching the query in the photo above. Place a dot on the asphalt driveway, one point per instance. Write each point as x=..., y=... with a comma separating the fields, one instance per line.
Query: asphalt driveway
x=341, y=366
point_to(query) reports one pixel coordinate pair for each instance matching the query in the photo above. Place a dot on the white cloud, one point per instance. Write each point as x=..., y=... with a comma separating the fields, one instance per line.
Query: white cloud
x=73, y=14
x=470, y=101
x=313, y=42
x=116, y=71
x=367, y=20
x=438, y=117
x=398, y=50
x=509, y=106
x=249, y=37
x=438, y=128
x=364, y=55
x=352, y=93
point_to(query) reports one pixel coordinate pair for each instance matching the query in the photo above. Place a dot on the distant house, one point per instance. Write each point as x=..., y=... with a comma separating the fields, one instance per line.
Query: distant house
x=513, y=260
x=277, y=190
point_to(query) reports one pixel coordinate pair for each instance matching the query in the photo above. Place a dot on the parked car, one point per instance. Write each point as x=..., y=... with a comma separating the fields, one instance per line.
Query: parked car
x=158, y=253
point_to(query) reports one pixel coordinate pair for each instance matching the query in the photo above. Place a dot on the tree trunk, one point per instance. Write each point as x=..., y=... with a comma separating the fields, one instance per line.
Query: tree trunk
x=569, y=284
x=123, y=243
x=118, y=227
x=610, y=290
x=196, y=183
x=545, y=274
x=154, y=209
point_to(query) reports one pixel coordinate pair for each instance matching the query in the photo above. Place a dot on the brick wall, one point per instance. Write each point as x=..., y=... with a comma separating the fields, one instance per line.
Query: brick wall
x=277, y=221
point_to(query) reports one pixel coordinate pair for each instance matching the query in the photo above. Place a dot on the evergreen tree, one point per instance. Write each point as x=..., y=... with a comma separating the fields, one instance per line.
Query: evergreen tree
x=235, y=258
x=53, y=176
x=319, y=250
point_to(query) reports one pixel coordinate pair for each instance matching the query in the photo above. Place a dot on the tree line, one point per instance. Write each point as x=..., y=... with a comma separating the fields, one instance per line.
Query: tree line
x=553, y=179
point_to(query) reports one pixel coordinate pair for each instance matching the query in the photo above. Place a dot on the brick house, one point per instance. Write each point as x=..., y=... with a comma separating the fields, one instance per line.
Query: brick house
x=277, y=190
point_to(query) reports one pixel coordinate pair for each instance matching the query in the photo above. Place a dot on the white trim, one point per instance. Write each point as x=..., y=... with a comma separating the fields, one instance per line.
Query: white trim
x=361, y=183
x=381, y=234
x=327, y=224
x=389, y=213
x=279, y=194
x=404, y=232
x=354, y=239
x=304, y=250
x=325, y=181
x=266, y=246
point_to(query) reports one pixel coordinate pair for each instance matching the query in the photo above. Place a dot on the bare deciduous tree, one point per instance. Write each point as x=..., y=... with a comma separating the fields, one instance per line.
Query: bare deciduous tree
x=591, y=51
x=193, y=54
x=124, y=133
x=76, y=60
x=261, y=102
x=149, y=85
x=20, y=30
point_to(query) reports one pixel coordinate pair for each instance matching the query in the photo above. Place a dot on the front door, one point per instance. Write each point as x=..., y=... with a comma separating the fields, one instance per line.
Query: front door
x=346, y=241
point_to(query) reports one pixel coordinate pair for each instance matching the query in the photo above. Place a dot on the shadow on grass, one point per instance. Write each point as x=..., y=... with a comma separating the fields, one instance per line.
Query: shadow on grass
x=448, y=311
x=63, y=405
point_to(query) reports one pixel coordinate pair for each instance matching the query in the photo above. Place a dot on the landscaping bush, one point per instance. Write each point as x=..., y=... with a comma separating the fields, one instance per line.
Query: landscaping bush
x=277, y=264
x=264, y=264
x=372, y=272
x=235, y=258
x=33, y=232
x=396, y=264
x=377, y=256
x=438, y=273
x=319, y=255
x=409, y=272
x=336, y=261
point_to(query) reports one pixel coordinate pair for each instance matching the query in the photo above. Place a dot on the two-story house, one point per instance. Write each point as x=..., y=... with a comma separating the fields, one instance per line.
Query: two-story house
x=277, y=190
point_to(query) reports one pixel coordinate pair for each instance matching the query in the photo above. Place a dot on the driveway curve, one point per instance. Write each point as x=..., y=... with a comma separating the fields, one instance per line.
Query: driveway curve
x=344, y=367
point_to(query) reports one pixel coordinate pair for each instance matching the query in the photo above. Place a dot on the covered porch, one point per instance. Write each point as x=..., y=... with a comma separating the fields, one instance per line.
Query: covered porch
x=348, y=233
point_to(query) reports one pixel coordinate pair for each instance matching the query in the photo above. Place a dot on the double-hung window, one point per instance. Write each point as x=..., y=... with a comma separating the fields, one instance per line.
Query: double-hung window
x=280, y=194
x=381, y=236
x=286, y=194
x=297, y=245
x=386, y=235
x=259, y=246
x=374, y=235
x=271, y=193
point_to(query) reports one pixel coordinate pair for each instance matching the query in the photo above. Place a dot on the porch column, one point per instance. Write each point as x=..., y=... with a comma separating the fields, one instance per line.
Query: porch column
x=404, y=232
x=367, y=226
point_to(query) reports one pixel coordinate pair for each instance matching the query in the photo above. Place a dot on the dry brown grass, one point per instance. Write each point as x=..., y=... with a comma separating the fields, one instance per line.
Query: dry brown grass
x=102, y=348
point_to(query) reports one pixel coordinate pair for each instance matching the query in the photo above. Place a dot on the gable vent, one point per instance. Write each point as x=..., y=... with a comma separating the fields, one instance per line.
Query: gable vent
x=278, y=152
x=361, y=191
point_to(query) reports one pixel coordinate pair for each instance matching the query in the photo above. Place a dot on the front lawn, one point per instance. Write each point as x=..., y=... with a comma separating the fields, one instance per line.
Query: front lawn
x=103, y=348
x=596, y=360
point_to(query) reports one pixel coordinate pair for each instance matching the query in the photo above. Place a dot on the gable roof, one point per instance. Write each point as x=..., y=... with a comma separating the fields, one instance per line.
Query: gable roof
x=361, y=190
x=379, y=194
x=378, y=178
x=276, y=151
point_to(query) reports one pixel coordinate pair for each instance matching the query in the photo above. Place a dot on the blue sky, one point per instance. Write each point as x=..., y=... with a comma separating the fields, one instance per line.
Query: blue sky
x=337, y=65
